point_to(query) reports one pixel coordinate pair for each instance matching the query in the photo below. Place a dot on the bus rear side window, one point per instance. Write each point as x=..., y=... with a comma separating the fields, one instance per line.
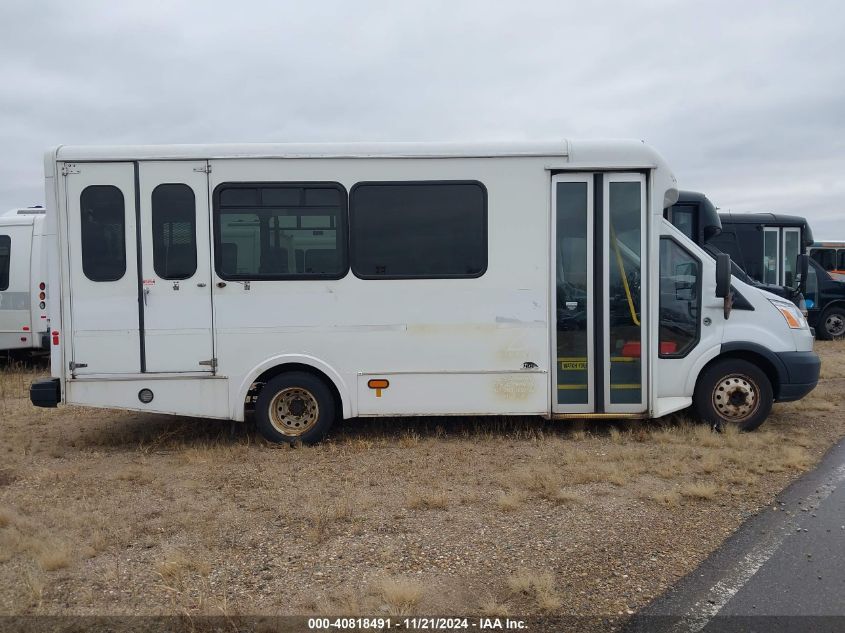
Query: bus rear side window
x=418, y=229
x=274, y=231
x=103, y=217
x=174, y=216
x=5, y=260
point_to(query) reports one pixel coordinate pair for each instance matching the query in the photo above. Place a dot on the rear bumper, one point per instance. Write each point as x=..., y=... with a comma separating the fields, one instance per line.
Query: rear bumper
x=802, y=374
x=45, y=393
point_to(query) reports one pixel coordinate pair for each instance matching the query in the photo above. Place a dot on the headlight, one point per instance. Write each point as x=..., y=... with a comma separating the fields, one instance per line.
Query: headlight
x=794, y=319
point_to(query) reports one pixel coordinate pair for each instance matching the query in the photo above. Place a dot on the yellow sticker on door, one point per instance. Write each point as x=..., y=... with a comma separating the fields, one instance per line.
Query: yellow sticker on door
x=573, y=365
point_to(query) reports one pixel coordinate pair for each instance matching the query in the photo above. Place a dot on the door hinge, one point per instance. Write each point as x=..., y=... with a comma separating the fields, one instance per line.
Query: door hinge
x=203, y=170
x=74, y=366
x=212, y=362
x=69, y=168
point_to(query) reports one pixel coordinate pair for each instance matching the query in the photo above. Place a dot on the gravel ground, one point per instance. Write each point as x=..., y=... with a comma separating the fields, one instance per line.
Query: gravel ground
x=115, y=513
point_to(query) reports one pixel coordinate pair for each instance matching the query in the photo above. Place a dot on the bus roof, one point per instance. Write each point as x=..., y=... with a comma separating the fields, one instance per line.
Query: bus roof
x=625, y=152
x=770, y=219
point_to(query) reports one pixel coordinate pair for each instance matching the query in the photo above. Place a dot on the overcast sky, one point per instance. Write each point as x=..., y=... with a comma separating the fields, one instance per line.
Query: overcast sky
x=746, y=100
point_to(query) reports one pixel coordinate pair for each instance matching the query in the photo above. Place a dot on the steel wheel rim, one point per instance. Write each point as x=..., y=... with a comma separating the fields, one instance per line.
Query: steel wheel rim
x=736, y=398
x=293, y=411
x=835, y=325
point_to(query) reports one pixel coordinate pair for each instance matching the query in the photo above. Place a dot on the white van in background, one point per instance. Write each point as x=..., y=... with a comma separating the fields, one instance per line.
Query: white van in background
x=318, y=282
x=24, y=324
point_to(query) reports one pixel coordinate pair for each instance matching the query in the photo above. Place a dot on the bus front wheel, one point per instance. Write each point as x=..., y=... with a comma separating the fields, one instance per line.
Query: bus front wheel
x=294, y=407
x=733, y=392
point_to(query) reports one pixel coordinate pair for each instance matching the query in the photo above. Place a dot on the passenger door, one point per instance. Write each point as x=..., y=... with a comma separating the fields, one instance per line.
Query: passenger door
x=599, y=343
x=101, y=232
x=175, y=256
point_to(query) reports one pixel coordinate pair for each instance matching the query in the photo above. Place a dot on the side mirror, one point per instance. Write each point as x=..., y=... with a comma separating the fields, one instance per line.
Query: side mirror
x=802, y=265
x=723, y=275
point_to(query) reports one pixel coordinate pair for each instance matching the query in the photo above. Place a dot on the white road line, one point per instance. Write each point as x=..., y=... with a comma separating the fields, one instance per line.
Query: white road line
x=734, y=580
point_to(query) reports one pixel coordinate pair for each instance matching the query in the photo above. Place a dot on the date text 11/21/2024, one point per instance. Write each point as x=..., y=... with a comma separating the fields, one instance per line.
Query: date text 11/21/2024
x=415, y=624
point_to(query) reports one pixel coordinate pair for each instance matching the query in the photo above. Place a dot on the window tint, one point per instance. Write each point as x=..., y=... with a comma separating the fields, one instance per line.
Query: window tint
x=5, y=260
x=840, y=255
x=826, y=257
x=280, y=231
x=103, y=233
x=174, y=231
x=418, y=229
x=680, y=300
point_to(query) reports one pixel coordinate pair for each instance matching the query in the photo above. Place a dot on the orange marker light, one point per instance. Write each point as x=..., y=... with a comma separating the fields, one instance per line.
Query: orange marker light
x=378, y=384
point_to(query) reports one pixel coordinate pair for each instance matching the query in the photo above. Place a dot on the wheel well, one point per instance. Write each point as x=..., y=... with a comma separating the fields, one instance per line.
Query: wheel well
x=756, y=359
x=269, y=374
x=838, y=303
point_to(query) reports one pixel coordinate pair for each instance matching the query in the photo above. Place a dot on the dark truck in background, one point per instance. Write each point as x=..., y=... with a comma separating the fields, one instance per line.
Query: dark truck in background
x=767, y=251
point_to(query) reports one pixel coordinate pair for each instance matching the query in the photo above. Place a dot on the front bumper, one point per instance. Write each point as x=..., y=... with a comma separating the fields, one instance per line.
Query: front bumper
x=802, y=374
x=45, y=393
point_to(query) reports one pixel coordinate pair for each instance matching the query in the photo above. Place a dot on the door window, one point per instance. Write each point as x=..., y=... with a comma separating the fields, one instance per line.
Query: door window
x=174, y=219
x=572, y=309
x=771, y=256
x=680, y=299
x=791, y=248
x=623, y=264
x=103, y=233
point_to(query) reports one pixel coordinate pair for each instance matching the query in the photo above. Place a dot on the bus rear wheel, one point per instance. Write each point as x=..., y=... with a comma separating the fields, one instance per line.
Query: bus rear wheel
x=733, y=392
x=295, y=407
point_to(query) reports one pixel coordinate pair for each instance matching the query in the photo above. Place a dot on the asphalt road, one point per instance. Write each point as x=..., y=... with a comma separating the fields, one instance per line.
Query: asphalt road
x=782, y=571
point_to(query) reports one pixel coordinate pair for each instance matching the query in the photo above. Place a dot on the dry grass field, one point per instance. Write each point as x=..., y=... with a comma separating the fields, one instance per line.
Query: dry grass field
x=116, y=513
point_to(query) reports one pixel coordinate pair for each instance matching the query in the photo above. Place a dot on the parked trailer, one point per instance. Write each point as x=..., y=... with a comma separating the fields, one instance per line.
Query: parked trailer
x=316, y=282
x=23, y=281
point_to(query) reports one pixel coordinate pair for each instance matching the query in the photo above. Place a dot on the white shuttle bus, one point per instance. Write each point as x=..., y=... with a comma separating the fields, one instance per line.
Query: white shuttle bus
x=23, y=281
x=318, y=282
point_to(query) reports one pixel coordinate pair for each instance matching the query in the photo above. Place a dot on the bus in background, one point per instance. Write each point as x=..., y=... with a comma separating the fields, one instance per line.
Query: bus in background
x=767, y=247
x=312, y=283
x=24, y=325
x=830, y=256
x=697, y=218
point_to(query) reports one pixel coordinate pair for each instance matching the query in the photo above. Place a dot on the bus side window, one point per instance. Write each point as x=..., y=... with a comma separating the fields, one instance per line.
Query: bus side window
x=826, y=257
x=5, y=260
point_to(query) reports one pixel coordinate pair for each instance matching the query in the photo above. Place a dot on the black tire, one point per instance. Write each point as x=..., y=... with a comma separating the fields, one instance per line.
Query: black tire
x=831, y=324
x=303, y=409
x=733, y=392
